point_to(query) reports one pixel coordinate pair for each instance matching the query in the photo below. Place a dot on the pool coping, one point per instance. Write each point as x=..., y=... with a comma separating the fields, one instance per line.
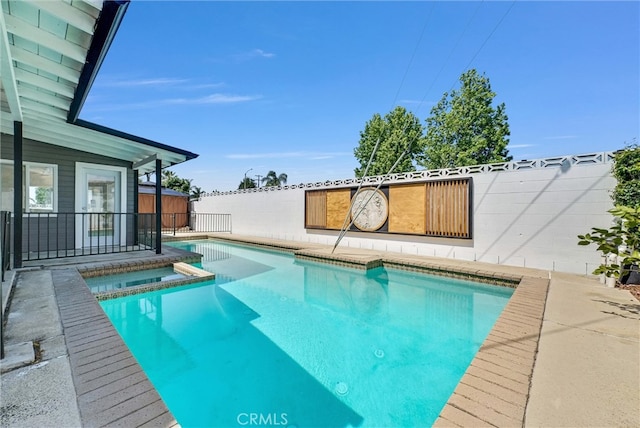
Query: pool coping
x=495, y=387
x=111, y=387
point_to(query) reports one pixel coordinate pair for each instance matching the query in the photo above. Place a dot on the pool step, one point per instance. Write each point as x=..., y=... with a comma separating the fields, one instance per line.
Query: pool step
x=187, y=269
x=190, y=275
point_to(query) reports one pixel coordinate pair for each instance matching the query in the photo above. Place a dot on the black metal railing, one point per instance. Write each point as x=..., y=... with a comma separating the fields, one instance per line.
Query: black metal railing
x=57, y=235
x=173, y=223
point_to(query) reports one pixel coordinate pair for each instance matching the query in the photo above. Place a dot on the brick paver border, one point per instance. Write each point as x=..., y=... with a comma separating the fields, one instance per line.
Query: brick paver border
x=495, y=388
x=111, y=387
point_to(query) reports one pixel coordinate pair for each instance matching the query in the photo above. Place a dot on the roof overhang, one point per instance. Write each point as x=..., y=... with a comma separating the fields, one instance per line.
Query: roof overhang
x=50, y=54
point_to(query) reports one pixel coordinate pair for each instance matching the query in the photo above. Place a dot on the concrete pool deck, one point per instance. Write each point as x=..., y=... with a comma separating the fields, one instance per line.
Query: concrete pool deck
x=583, y=370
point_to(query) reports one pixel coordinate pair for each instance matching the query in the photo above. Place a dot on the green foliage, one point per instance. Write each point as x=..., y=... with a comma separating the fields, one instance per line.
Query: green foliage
x=626, y=170
x=43, y=195
x=398, y=130
x=465, y=129
x=622, y=239
x=247, y=183
x=171, y=181
x=272, y=179
x=167, y=174
x=196, y=192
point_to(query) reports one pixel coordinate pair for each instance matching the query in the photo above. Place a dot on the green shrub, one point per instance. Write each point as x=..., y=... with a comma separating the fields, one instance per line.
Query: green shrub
x=622, y=240
x=626, y=170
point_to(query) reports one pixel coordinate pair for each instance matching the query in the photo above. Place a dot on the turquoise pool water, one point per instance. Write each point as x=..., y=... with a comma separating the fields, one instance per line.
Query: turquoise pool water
x=117, y=281
x=278, y=342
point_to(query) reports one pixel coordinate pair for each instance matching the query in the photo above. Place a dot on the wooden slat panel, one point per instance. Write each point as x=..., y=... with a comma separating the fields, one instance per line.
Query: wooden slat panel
x=338, y=203
x=437, y=208
x=407, y=209
x=448, y=208
x=316, y=207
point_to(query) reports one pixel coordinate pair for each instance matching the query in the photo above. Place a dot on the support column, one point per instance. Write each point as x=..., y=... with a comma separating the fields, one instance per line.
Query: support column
x=158, y=206
x=17, y=194
x=136, y=206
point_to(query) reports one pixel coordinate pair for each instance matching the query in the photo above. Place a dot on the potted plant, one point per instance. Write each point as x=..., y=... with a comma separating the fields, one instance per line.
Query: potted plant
x=620, y=245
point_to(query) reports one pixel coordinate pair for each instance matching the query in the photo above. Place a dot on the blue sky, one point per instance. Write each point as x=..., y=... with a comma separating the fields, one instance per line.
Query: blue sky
x=288, y=86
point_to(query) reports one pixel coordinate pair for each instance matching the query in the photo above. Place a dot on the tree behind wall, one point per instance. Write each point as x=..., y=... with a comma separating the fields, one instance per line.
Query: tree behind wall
x=272, y=179
x=196, y=192
x=397, y=132
x=465, y=129
x=171, y=181
x=247, y=183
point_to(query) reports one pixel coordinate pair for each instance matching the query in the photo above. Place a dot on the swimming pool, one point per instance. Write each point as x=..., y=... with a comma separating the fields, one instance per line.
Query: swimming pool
x=275, y=341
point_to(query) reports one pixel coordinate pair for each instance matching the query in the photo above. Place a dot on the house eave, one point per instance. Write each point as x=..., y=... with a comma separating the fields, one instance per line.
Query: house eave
x=106, y=28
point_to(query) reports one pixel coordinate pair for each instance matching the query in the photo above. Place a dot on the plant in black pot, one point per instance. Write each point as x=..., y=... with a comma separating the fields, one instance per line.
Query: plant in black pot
x=621, y=240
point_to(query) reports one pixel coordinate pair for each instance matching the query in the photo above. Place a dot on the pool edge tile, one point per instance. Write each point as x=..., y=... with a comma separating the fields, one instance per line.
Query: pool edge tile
x=71, y=292
x=488, y=365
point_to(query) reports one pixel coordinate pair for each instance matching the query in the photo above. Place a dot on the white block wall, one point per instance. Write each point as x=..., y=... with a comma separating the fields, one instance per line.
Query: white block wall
x=521, y=217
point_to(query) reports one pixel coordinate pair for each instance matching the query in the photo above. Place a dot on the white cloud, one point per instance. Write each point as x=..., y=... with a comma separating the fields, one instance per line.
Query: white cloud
x=210, y=99
x=561, y=137
x=307, y=155
x=205, y=100
x=520, y=146
x=159, y=81
x=264, y=155
x=207, y=86
x=415, y=102
x=263, y=54
x=255, y=53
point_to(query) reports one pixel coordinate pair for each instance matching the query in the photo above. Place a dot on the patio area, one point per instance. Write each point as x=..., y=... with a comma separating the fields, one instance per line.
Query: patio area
x=563, y=353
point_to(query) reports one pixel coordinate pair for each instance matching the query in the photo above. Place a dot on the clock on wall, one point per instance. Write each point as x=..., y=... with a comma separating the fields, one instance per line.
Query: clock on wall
x=369, y=209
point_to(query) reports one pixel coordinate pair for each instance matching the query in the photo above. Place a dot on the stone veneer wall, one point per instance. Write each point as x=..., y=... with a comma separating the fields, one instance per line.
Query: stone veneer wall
x=525, y=213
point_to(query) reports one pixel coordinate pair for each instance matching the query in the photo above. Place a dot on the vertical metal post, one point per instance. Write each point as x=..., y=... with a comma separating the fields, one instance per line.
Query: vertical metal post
x=5, y=216
x=158, y=206
x=136, y=207
x=17, y=194
x=1, y=328
x=48, y=226
x=5, y=233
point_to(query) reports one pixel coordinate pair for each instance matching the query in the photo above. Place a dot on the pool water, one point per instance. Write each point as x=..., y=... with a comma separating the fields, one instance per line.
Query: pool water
x=131, y=279
x=274, y=341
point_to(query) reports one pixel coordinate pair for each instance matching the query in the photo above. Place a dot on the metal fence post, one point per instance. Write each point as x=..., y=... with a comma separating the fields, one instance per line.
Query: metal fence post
x=5, y=227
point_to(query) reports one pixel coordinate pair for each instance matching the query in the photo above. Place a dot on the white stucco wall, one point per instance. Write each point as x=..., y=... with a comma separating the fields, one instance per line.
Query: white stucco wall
x=521, y=217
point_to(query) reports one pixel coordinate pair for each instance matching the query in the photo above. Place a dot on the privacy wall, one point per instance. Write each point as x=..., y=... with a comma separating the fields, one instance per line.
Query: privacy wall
x=523, y=213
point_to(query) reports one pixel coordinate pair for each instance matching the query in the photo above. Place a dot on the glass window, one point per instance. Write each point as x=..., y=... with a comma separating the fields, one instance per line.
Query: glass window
x=39, y=186
x=6, y=186
x=39, y=182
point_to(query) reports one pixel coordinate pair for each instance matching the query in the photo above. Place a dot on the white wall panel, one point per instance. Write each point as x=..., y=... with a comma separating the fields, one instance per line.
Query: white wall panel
x=528, y=217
